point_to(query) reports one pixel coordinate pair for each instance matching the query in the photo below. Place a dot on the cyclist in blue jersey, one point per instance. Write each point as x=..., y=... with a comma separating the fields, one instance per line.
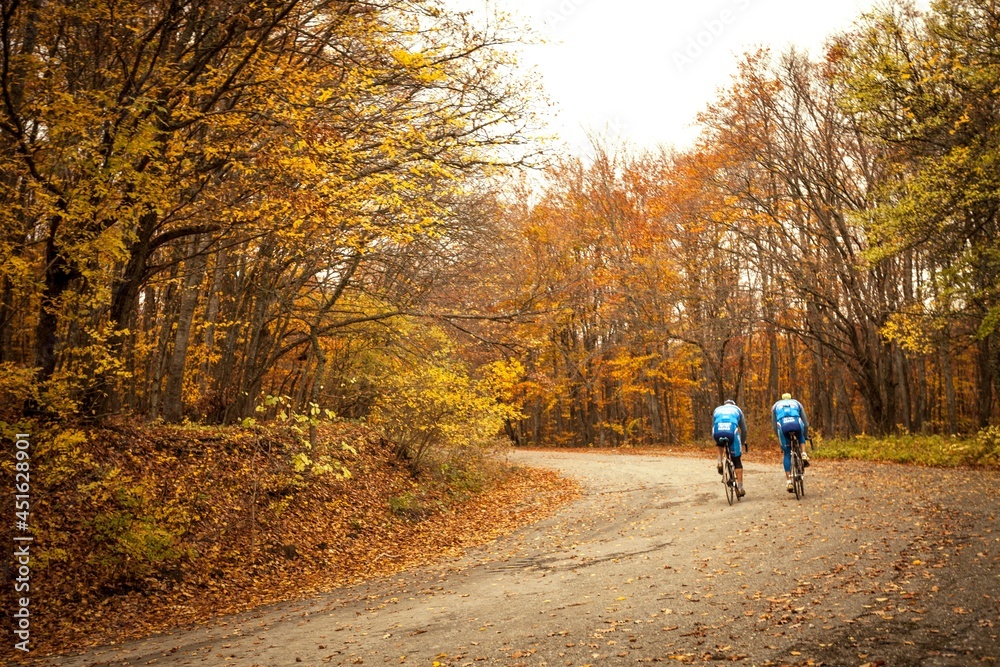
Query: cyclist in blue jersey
x=788, y=416
x=729, y=429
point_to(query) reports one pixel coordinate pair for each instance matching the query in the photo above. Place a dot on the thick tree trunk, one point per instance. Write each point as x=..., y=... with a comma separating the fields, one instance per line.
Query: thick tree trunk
x=137, y=397
x=654, y=407
x=57, y=278
x=741, y=369
x=536, y=422
x=319, y=377
x=668, y=421
x=104, y=393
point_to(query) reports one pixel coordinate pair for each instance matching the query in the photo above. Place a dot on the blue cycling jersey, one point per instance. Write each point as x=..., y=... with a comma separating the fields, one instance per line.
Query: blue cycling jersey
x=787, y=415
x=728, y=422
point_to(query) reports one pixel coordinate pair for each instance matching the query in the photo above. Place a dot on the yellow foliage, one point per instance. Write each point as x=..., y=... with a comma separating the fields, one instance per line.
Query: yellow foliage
x=435, y=403
x=912, y=332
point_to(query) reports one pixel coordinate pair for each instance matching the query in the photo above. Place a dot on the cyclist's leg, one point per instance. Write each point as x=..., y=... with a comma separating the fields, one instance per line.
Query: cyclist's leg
x=737, y=452
x=738, y=465
x=786, y=449
x=803, y=437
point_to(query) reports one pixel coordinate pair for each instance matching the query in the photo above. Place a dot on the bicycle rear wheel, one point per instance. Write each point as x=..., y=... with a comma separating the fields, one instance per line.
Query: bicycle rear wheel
x=798, y=470
x=729, y=479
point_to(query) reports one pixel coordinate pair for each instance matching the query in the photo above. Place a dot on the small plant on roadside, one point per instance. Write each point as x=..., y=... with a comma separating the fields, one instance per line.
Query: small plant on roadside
x=136, y=535
x=407, y=506
x=984, y=449
x=305, y=426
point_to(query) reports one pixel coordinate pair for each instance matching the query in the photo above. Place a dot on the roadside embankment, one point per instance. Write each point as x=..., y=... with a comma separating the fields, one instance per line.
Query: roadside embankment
x=139, y=529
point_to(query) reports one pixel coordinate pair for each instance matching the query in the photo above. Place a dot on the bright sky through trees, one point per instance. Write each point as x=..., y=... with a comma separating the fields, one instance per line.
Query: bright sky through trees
x=643, y=69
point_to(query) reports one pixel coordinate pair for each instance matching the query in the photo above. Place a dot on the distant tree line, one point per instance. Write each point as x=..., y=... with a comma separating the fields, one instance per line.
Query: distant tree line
x=833, y=234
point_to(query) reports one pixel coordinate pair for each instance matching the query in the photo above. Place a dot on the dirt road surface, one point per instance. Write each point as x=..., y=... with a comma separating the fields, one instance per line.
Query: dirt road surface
x=877, y=565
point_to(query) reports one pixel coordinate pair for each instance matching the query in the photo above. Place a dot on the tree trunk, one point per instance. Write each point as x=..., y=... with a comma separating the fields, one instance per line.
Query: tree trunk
x=774, y=369
x=845, y=405
x=6, y=320
x=668, y=422
x=948, y=379
x=536, y=422
x=653, y=406
x=158, y=359
x=920, y=415
x=318, y=379
x=212, y=317
x=57, y=278
x=903, y=383
x=173, y=393
x=14, y=182
x=984, y=381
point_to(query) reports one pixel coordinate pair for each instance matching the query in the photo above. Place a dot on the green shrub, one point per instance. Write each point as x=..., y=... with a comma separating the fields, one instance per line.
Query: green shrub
x=929, y=450
x=136, y=535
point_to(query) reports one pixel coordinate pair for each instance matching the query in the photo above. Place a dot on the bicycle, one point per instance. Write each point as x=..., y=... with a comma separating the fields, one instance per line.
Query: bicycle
x=729, y=474
x=798, y=467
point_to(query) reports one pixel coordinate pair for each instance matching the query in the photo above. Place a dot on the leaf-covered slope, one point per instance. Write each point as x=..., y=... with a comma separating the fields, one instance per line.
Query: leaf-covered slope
x=141, y=529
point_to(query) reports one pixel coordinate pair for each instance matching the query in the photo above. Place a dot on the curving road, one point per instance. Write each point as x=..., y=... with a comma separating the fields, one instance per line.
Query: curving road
x=876, y=565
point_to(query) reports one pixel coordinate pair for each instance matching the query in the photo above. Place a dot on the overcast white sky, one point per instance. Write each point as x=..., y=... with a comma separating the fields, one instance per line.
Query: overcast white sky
x=645, y=68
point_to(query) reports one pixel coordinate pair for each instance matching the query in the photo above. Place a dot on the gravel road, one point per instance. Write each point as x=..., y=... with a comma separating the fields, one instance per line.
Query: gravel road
x=877, y=565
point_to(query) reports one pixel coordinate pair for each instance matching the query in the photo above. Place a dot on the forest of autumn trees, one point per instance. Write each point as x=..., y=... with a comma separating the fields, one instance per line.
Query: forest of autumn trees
x=208, y=202
x=833, y=234
x=214, y=210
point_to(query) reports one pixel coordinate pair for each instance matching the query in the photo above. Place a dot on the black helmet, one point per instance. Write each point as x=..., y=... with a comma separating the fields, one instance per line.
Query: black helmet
x=730, y=401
